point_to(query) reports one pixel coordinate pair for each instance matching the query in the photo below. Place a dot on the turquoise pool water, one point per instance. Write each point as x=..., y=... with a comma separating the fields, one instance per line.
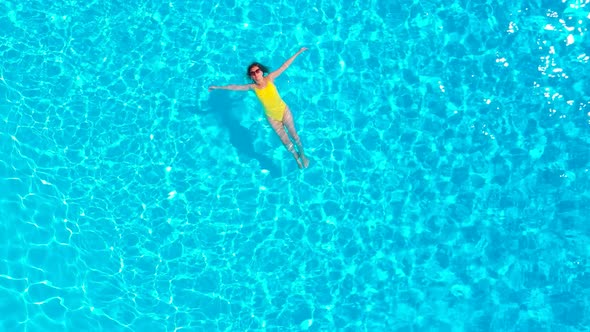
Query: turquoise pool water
x=448, y=188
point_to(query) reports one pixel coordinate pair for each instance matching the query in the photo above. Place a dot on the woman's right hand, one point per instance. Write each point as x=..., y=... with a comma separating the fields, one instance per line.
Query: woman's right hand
x=212, y=87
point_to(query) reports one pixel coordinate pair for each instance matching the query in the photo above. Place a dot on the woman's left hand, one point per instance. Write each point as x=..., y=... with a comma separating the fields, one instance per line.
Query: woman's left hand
x=303, y=49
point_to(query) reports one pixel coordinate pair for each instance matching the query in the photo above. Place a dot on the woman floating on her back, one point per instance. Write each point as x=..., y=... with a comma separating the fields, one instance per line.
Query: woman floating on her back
x=277, y=112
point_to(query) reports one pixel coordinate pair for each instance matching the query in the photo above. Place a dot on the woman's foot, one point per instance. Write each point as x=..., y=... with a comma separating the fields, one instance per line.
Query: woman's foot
x=299, y=164
x=296, y=156
x=304, y=161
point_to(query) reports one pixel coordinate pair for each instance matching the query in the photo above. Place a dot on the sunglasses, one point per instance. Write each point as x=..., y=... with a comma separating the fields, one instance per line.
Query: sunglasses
x=254, y=72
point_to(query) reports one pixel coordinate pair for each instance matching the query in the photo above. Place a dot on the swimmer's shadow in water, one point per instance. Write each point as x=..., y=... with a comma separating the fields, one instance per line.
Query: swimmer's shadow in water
x=222, y=106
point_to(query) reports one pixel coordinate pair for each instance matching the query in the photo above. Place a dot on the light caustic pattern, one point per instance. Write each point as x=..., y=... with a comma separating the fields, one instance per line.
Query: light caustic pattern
x=448, y=186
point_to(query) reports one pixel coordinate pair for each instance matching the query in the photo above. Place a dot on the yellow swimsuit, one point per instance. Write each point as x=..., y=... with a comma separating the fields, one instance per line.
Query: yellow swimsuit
x=274, y=106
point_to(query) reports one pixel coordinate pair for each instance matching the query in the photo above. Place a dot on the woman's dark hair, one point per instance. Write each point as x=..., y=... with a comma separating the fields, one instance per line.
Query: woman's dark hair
x=264, y=69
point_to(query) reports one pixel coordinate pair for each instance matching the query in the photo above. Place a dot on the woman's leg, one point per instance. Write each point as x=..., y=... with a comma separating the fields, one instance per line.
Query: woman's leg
x=280, y=130
x=290, y=124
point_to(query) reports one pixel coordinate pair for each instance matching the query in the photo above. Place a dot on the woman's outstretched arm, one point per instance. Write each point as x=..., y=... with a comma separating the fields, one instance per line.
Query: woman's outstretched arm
x=233, y=87
x=285, y=65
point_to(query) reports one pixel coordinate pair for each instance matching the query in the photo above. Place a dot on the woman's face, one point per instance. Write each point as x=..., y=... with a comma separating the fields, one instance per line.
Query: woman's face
x=255, y=73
